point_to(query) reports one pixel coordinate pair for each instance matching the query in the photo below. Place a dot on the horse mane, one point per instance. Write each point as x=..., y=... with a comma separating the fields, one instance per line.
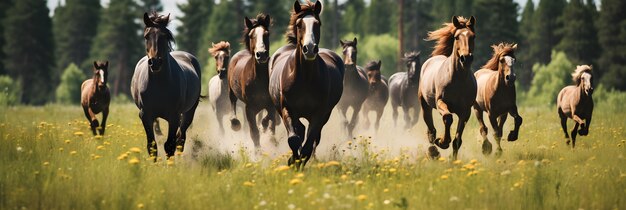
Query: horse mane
x=220, y=46
x=161, y=22
x=305, y=9
x=578, y=73
x=372, y=65
x=411, y=56
x=258, y=21
x=444, y=37
x=499, y=50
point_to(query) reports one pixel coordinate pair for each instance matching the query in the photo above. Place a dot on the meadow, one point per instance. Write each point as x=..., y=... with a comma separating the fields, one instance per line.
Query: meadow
x=50, y=160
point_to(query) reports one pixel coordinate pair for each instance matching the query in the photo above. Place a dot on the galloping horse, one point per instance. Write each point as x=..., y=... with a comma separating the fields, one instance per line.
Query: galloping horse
x=218, y=85
x=575, y=102
x=305, y=82
x=166, y=84
x=355, y=85
x=95, y=97
x=447, y=82
x=248, y=77
x=403, y=87
x=378, y=93
x=496, y=95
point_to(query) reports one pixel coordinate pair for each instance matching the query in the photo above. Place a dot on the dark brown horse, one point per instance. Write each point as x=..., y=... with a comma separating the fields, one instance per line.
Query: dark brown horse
x=218, y=85
x=575, y=102
x=447, y=83
x=305, y=82
x=95, y=97
x=355, y=86
x=166, y=85
x=378, y=93
x=403, y=87
x=248, y=77
x=496, y=95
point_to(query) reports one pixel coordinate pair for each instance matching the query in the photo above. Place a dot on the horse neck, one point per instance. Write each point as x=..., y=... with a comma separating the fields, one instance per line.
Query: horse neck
x=352, y=71
x=455, y=69
x=261, y=69
x=305, y=68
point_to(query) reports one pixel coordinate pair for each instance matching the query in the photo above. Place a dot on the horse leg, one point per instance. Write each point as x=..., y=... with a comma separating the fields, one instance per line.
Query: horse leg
x=148, y=120
x=487, y=148
x=157, y=127
x=365, y=113
x=395, y=115
x=584, y=131
x=295, y=131
x=91, y=117
x=431, y=131
x=447, y=121
x=314, y=136
x=187, y=119
x=105, y=115
x=354, y=120
x=497, y=132
x=458, y=138
x=379, y=114
x=173, y=126
x=219, y=115
x=514, y=134
x=564, y=124
x=254, y=129
x=234, y=122
x=416, y=114
x=501, y=121
x=574, y=132
x=407, y=118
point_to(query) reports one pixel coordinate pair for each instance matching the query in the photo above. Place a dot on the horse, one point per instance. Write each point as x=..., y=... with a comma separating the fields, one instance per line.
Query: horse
x=447, y=83
x=218, y=85
x=305, y=82
x=576, y=102
x=496, y=95
x=248, y=77
x=378, y=93
x=355, y=86
x=403, y=88
x=95, y=97
x=166, y=84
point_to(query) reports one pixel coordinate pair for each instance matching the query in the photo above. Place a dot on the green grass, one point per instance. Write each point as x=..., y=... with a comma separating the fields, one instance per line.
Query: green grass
x=45, y=163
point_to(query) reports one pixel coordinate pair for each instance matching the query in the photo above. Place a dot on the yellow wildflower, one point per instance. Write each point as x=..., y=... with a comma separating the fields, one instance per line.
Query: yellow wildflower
x=73, y=152
x=361, y=197
x=295, y=181
x=332, y=163
x=133, y=161
x=78, y=133
x=281, y=168
x=248, y=184
x=135, y=149
x=444, y=177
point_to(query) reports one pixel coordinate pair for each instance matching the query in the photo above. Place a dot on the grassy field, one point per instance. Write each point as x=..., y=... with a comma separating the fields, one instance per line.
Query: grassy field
x=50, y=160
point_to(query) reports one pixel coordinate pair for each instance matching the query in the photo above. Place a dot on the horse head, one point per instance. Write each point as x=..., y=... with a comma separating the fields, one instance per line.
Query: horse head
x=158, y=39
x=221, y=53
x=583, y=77
x=257, y=35
x=464, y=40
x=373, y=73
x=307, y=29
x=413, y=65
x=100, y=74
x=349, y=51
x=506, y=61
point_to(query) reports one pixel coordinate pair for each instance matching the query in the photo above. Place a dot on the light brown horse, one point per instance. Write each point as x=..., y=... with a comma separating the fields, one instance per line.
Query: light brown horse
x=305, y=82
x=355, y=86
x=378, y=94
x=496, y=95
x=575, y=102
x=447, y=83
x=218, y=85
x=95, y=97
x=248, y=77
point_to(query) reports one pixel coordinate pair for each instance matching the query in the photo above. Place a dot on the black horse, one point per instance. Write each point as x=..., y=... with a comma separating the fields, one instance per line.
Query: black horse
x=403, y=89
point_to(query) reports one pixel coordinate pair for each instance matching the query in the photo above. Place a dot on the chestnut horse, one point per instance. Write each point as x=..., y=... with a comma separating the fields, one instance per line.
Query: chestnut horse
x=378, y=93
x=447, y=83
x=218, y=85
x=165, y=84
x=248, y=77
x=355, y=86
x=95, y=97
x=305, y=82
x=403, y=87
x=496, y=95
x=575, y=102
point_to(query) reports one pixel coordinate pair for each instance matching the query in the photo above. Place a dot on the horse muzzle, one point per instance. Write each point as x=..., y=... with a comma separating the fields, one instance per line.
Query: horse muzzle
x=154, y=64
x=466, y=59
x=222, y=74
x=510, y=79
x=310, y=51
x=262, y=56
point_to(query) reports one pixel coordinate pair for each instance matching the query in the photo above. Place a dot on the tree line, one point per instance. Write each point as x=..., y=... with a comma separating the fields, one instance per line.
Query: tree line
x=38, y=48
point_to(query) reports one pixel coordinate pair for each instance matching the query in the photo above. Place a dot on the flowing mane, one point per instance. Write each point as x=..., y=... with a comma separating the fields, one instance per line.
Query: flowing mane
x=578, y=73
x=260, y=20
x=161, y=22
x=444, y=37
x=221, y=46
x=305, y=9
x=502, y=49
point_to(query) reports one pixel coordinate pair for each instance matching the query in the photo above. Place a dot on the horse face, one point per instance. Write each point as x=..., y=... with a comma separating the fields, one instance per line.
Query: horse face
x=221, y=63
x=349, y=51
x=506, y=63
x=100, y=73
x=373, y=77
x=587, y=83
x=259, y=40
x=157, y=43
x=464, y=40
x=308, y=31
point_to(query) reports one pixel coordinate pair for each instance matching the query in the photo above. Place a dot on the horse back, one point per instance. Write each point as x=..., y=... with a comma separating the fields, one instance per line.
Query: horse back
x=430, y=75
x=335, y=73
x=190, y=79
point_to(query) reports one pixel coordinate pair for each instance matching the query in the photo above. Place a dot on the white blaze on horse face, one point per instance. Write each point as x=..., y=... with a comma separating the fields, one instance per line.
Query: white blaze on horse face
x=309, y=36
x=101, y=73
x=259, y=45
x=509, y=62
x=586, y=77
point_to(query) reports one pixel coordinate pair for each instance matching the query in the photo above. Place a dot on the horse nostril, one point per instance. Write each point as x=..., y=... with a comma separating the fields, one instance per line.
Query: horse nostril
x=315, y=49
x=305, y=49
x=507, y=77
x=462, y=58
x=150, y=62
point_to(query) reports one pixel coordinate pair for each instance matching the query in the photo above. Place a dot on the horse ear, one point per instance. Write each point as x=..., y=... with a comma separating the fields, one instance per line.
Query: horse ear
x=95, y=65
x=514, y=47
x=247, y=22
x=268, y=20
x=471, y=23
x=456, y=23
x=106, y=64
x=406, y=54
x=146, y=20
x=167, y=18
x=318, y=7
x=342, y=43
x=354, y=40
x=380, y=63
x=296, y=7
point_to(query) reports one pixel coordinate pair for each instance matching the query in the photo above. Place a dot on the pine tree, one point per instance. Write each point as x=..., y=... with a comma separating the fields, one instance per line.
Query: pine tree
x=4, y=5
x=378, y=19
x=612, y=37
x=496, y=22
x=580, y=39
x=330, y=24
x=119, y=41
x=221, y=30
x=525, y=54
x=352, y=19
x=545, y=23
x=74, y=26
x=194, y=22
x=279, y=12
x=151, y=5
x=28, y=49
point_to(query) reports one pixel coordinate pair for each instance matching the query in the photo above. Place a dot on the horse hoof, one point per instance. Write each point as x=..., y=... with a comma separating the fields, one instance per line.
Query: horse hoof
x=433, y=153
x=583, y=132
x=235, y=124
x=444, y=145
x=487, y=147
x=499, y=152
x=512, y=136
x=567, y=142
x=264, y=124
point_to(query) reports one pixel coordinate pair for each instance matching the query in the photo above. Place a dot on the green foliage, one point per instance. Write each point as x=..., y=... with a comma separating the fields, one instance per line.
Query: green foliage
x=194, y=22
x=121, y=99
x=378, y=19
x=10, y=91
x=225, y=24
x=352, y=18
x=580, y=39
x=151, y=5
x=28, y=49
x=4, y=6
x=550, y=79
x=496, y=23
x=546, y=20
x=612, y=37
x=609, y=98
x=525, y=55
x=68, y=91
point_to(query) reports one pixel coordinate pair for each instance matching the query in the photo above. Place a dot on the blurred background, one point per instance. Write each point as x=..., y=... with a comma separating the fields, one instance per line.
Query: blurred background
x=48, y=47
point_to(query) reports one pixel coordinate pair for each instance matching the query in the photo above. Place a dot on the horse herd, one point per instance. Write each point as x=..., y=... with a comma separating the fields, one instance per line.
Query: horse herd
x=302, y=80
